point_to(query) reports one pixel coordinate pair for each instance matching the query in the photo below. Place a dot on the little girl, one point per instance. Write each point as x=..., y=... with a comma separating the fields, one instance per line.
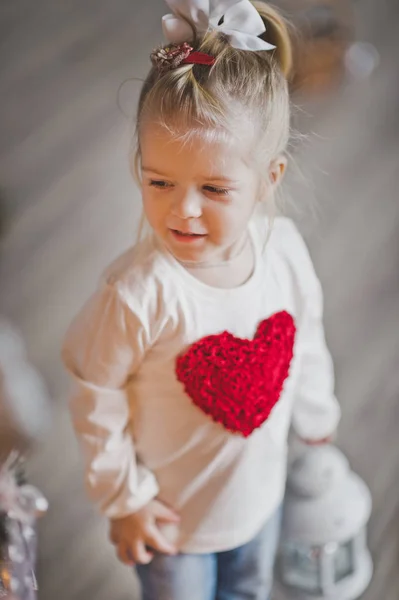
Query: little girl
x=204, y=342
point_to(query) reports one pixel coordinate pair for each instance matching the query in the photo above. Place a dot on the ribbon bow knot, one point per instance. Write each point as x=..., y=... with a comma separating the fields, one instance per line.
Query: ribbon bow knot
x=237, y=19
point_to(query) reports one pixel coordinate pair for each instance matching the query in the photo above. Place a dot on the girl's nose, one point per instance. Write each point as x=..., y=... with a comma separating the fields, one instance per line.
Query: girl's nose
x=188, y=206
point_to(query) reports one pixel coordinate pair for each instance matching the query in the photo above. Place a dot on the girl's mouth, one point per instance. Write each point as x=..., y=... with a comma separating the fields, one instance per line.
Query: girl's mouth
x=186, y=237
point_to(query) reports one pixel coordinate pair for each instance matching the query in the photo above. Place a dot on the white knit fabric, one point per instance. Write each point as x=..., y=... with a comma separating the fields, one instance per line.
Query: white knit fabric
x=141, y=434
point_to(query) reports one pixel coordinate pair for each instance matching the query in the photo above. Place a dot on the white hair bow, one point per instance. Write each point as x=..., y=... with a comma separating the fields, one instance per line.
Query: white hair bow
x=237, y=19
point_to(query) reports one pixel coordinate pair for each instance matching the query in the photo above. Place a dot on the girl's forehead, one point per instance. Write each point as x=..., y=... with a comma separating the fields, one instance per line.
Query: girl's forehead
x=207, y=150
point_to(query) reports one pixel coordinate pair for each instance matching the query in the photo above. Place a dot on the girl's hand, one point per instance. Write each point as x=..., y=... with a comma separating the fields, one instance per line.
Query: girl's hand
x=321, y=442
x=137, y=536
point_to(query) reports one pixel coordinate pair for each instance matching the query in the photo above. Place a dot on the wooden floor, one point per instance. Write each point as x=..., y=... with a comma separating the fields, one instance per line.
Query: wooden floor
x=72, y=205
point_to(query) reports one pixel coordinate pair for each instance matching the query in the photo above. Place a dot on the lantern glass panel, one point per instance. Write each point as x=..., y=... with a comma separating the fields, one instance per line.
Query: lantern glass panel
x=344, y=561
x=301, y=567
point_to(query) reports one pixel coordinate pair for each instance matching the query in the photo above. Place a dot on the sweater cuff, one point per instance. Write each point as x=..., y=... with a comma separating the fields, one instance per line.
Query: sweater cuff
x=316, y=425
x=129, y=504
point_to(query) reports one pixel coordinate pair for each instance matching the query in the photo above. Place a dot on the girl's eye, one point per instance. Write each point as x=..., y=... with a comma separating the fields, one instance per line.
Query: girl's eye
x=159, y=183
x=216, y=190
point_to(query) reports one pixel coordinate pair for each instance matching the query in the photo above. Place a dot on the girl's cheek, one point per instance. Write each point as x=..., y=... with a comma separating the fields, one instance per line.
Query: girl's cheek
x=225, y=225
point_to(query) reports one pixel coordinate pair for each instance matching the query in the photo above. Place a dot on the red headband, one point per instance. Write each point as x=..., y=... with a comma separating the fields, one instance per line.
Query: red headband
x=171, y=57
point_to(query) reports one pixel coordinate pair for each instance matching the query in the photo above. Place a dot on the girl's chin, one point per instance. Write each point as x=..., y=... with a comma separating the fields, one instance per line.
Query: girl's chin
x=193, y=250
x=190, y=258
x=190, y=255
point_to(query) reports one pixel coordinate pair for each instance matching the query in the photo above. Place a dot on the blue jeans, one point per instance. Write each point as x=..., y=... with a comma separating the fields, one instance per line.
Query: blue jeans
x=245, y=573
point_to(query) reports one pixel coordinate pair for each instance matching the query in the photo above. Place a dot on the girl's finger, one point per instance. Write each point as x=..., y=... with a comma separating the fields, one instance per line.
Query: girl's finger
x=157, y=541
x=113, y=536
x=327, y=440
x=165, y=514
x=124, y=554
x=140, y=554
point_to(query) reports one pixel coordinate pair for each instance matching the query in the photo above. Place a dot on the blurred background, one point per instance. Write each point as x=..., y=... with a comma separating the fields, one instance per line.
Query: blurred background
x=68, y=206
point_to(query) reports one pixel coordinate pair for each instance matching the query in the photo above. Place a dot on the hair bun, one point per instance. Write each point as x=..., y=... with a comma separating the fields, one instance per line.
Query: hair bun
x=277, y=34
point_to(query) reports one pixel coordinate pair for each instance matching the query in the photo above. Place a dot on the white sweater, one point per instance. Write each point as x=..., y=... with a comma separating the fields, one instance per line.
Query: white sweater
x=143, y=436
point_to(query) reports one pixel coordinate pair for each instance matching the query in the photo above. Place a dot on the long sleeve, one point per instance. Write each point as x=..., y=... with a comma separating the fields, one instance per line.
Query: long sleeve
x=103, y=348
x=316, y=412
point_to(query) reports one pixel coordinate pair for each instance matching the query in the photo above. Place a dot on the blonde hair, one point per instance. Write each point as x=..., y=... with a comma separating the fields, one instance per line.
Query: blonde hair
x=242, y=87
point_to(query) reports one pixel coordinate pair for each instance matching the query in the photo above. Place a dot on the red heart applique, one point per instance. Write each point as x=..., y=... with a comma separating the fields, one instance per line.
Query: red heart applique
x=237, y=381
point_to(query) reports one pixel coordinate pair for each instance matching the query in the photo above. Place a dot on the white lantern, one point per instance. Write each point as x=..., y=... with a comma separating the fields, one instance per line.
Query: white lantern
x=323, y=553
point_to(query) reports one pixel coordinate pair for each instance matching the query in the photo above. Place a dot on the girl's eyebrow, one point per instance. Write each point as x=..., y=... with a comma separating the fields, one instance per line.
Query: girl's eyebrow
x=221, y=179
x=155, y=171
x=209, y=179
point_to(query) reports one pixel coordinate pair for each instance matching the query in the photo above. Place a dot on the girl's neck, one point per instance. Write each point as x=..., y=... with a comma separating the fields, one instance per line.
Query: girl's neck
x=230, y=273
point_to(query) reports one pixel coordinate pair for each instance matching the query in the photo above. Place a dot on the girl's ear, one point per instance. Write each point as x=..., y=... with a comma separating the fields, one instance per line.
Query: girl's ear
x=277, y=169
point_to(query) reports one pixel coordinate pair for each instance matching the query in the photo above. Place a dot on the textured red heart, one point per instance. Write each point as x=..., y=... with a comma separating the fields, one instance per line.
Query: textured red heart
x=236, y=381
